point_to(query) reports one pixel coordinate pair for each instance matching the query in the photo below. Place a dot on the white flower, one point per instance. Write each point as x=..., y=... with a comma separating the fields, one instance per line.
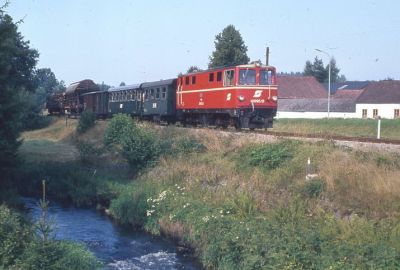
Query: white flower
x=206, y=219
x=221, y=212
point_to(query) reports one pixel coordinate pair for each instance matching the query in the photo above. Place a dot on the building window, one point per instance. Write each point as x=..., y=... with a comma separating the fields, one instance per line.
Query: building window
x=219, y=76
x=396, y=113
x=193, y=79
x=211, y=77
x=164, y=93
x=364, y=113
x=375, y=113
x=187, y=80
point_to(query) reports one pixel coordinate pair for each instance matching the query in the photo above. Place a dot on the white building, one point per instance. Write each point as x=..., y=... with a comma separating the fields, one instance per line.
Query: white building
x=379, y=99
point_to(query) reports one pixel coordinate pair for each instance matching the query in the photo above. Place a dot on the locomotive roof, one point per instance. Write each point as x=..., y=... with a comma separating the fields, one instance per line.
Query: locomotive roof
x=125, y=87
x=158, y=83
x=226, y=67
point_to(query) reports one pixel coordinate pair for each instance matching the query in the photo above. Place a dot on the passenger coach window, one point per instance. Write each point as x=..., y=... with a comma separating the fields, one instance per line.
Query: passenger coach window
x=247, y=77
x=187, y=80
x=229, y=77
x=164, y=93
x=265, y=77
x=151, y=93
x=193, y=79
x=158, y=93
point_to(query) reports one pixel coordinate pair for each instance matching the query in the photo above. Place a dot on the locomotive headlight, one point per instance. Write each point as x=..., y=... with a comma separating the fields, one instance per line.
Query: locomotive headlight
x=241, y=98
x=275, y=98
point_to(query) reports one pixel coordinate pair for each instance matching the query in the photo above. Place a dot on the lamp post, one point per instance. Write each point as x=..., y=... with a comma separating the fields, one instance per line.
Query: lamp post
x=329, y=79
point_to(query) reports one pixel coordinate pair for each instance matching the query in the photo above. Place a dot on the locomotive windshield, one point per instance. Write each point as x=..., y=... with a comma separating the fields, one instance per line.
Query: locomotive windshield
x=247, y=77
x=265, y=77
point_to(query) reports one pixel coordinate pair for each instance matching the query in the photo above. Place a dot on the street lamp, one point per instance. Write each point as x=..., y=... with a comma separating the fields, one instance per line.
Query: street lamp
x=329, y=79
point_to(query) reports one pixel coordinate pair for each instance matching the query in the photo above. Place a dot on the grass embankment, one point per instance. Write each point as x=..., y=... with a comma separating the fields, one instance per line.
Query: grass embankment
x=390, y=129
x=241, y=203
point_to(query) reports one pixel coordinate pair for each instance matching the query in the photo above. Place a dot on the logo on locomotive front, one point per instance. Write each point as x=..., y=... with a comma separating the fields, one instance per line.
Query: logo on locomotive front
x=257, y=94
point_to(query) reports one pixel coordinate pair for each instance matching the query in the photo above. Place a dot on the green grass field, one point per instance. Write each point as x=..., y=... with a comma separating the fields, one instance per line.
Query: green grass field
x=390, y=129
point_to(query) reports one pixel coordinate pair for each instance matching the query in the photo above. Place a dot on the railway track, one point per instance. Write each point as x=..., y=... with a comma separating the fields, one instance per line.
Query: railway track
x=328, y=137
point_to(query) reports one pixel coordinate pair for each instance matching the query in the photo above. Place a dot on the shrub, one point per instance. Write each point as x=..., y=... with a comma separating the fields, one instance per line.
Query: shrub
x=189, y=145
x=313, y=188
x=120, y=126
x=14, y=236
x=130, y=207
x=34, y=121
x=268, y=156
x=88, y=152
x=86, y=121
x=139, y=148
x=59, y=255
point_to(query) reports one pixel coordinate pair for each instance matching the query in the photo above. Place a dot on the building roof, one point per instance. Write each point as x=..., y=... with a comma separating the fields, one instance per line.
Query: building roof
x=316, y=105
x=82, y=86
x=350, y=94
x=382, y=92
x=349, y=85
x=300, y=87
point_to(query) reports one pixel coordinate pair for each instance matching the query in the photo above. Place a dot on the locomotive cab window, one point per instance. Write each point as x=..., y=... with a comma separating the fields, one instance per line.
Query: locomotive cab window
x=219, y=76
x=187, y=80
x=193, y=79
x=229, y=76
x=265, y=77
x=247, y=77
x=211, y=77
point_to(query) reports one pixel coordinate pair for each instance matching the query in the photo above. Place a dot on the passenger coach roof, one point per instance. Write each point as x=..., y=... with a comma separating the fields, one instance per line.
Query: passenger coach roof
x=158, y=83
x=95, y=92
x=126, y=87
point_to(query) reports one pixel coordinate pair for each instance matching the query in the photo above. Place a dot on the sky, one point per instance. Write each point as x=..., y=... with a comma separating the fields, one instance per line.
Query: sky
x=136, y=41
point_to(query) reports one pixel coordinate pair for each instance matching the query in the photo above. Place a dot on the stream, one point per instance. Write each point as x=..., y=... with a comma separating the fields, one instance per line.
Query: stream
x=116, y=247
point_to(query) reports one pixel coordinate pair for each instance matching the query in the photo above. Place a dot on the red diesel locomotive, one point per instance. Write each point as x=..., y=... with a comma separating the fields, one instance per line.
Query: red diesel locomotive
x=243, y=96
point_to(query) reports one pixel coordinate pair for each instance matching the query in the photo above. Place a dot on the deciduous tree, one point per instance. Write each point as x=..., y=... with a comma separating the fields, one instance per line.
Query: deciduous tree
x=17, y=63
x=230, y=49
